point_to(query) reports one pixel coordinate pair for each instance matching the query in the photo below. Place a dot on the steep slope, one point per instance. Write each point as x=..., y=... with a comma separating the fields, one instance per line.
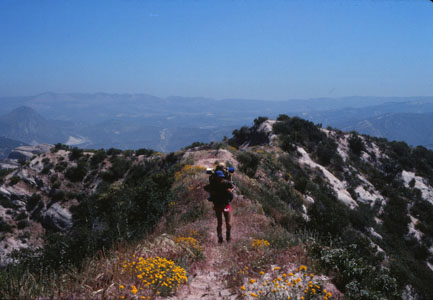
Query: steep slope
x=186, y=235
x=355, y=209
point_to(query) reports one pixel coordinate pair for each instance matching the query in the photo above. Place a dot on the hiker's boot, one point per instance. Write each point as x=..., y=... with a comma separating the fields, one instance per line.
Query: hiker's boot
x=220, y=240
x=228, y=237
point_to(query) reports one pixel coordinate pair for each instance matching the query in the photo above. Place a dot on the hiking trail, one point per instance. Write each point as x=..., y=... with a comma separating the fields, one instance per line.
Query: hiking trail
x=209, y=281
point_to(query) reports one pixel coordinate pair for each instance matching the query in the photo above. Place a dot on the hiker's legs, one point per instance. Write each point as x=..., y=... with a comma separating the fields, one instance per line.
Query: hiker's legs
x=219, y=215
x=228, y=225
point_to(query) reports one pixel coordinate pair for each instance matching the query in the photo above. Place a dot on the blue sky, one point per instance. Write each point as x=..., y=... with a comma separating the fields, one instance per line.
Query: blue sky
x=261, y=49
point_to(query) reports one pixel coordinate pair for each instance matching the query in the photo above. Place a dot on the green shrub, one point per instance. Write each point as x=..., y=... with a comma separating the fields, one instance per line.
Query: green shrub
x=280, y=238
x=76, y=174
x=356, y=145
x=75, y=153
x=300, y=131
x=283, y=117
x=395, y=218
x=326, y=151
x=33, y=201
x=60, y=146
x=328, y=214
x=362, y=217
x=22, y=224
x=5, y=227
x=147, y=152
x=3, y=174
x=287, y=144
x=61, y=166
x=47, y=169
x=193, y=214
x=259, y=120
x=119, y=167
x=114, y=151
x=352, y=274
x=14, y=180
x=248, y=162
x=97, y=158
x=249, y=136
x=301, y=183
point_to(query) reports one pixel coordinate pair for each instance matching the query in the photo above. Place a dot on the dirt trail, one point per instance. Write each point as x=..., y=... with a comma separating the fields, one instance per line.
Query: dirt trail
x=209, y=281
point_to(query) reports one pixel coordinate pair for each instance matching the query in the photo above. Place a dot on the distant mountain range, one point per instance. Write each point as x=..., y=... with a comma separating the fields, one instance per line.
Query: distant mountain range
x=131, y=121
x=413, y=128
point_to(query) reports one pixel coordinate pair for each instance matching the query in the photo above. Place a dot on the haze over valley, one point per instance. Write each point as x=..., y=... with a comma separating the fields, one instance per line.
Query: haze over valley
x=133, y=121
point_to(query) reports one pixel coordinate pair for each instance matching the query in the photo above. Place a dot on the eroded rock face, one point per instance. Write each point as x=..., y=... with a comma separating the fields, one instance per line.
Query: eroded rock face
x=32, y=199
x=23, y=153
x=57, y=218
x=26, y=152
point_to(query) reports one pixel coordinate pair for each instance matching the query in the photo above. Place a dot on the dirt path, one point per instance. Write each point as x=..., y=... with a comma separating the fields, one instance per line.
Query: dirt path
x=209, y=281
x=210, y=278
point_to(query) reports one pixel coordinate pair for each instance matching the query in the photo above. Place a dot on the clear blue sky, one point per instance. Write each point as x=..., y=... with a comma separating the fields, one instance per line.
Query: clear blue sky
x=242, y=49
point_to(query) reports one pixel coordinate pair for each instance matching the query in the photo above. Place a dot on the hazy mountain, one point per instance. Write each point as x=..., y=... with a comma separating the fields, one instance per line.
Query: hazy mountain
x=409, y=121
x=345, y=116
x=413, y=128
x=168, y=124
x=25, y=124
x=7, y=145
x=91, y=108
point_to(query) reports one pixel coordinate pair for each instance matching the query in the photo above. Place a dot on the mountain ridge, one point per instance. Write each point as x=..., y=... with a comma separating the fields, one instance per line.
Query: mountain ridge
x=89, y=114
x=342, y=197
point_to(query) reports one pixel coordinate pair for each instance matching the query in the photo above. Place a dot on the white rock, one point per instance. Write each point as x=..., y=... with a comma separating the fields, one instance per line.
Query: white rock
x=338, y=186
x=420, y=183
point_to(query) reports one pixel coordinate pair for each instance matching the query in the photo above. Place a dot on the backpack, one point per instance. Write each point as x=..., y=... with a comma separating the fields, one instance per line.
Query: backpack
x=213, y=179
x=228, y=171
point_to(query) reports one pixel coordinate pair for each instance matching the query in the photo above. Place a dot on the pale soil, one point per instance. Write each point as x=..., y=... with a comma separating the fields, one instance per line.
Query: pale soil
x=208, y=282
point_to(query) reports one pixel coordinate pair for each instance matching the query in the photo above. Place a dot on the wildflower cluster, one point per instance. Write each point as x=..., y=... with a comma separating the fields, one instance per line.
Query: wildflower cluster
x=278, y=285
x=243, y=271
x=152, y=277
x=260, y=244
x=188, y=170
x=193, y=233
x=172, y=204
x=190, y=243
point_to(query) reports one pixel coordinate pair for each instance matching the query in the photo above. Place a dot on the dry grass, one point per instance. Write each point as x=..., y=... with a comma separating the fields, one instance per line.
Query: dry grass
x=190, y=215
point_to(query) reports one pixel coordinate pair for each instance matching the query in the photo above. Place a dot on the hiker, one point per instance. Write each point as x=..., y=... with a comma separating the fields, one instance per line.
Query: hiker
x=221, y=199
x=220, y=190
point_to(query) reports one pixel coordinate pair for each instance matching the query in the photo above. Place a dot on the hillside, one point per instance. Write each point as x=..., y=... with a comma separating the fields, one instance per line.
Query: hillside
x=352, y=209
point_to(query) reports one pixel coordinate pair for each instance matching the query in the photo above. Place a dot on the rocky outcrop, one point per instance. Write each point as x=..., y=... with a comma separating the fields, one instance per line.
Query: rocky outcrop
x=22, y=154
x=35, y=197
x=26, y=152
x=57, y=218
